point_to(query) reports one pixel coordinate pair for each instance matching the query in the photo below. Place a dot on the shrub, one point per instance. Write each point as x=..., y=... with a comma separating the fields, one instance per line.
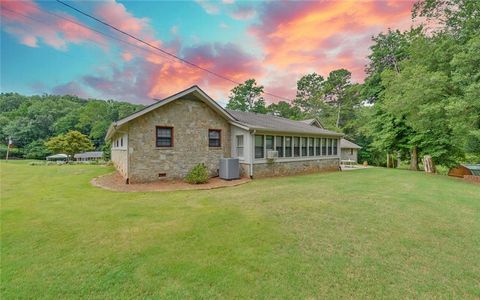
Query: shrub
x=198, y=174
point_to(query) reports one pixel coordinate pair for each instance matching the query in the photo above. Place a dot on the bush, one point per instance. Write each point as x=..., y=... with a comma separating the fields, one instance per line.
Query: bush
x=36, y=150
x=198, y=174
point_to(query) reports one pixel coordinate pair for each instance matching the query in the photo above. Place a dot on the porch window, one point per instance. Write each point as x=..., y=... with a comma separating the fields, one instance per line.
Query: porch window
x=288, y=146
x=335, y=148
x=304, y=146
x=279, y=145
x=164, y=137
x=296, y=146
x=259, y=151
x=269, y=142
x=214, y=138
x=239, y=145
x=329, y=146
x=324, y=146
x=317, y=147
x=311, y=148
x=351, y=151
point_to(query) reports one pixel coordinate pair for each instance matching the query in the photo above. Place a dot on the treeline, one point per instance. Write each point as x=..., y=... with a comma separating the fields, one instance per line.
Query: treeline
x=421, y=95
x=30, y=121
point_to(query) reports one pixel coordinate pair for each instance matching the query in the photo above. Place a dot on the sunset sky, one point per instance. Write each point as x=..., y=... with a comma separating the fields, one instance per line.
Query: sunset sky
x=45, y=50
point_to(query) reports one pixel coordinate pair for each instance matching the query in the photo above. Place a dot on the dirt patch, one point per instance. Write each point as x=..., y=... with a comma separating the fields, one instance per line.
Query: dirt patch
x=115, y=182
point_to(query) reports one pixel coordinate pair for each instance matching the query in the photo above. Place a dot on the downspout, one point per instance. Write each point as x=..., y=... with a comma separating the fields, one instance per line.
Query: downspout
x=252, y=152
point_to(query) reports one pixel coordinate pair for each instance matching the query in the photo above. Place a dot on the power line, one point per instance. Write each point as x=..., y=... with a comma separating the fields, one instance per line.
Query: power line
x=160, y=49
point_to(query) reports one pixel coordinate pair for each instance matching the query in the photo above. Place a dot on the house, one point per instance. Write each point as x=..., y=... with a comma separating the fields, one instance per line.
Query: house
x=88, y=156
x=349, y=150
x=169, y=137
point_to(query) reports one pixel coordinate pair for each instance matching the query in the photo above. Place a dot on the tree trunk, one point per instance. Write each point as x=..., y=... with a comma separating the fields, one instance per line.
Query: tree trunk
x=338, y=115
x=414, y=159
x=428, y=164
x=398, y=159
x=388, y=160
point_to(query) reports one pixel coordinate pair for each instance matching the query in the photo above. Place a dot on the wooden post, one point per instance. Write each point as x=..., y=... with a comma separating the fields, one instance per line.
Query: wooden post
x=428, y=164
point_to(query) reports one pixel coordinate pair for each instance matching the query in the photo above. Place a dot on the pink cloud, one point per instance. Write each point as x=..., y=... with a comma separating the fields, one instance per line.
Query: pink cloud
x=242, y=12
x=303, y=37
x=26, y=21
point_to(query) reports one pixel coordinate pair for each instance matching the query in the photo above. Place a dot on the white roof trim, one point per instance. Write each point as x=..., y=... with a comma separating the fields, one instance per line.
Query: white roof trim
x=313, y=122
x=195, y=90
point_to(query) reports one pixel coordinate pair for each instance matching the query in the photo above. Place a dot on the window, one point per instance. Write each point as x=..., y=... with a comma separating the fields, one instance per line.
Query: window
x=317, y=147
x=296, y=146
x=214, y=138
x=304, y=146
x=329, y=146
x=351, y=151
x=121, y=142
x=164, y=136
x=259, y=146
x=279, y=145
x=239, y=145
x=269, y=142
x=288, y=146
x=324, y=146
x=311, y=147
x=335, y=149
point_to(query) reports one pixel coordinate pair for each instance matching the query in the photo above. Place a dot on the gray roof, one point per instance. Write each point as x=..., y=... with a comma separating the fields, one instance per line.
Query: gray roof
x=277, y=124
x=61, y=155
x=346, y=144
x=92, y=154
x=475, y=169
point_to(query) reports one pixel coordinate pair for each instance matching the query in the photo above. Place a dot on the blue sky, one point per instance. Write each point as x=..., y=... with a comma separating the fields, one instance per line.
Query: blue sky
x=274, y=42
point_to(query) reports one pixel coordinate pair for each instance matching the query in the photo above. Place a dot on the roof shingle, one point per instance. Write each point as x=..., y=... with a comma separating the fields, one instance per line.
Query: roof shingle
x=277, y=124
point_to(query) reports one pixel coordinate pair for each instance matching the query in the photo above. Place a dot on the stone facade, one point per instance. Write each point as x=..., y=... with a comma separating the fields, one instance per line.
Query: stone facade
x=191, y=119
x=294, y=167
x=244, y=170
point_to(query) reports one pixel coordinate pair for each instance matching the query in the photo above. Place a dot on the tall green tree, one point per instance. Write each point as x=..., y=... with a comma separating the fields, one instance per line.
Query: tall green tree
x=310, y=94
x=285, y=110
x=247, y=96
x=69, y=143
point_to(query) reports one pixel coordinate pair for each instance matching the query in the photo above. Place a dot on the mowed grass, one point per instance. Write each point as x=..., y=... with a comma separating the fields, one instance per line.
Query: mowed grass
x=373, y=233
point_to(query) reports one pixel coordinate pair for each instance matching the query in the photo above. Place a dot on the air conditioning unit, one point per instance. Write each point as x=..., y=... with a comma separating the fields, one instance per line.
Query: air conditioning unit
x=272, y=154
x=229, y=168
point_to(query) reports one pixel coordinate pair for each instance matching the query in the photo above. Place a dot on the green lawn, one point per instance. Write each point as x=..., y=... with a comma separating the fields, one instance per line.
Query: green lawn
x=360, y=234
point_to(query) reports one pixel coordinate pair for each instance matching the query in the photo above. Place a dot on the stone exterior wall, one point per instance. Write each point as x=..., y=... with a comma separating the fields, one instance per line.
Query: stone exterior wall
x=190, y=119
x=345, y=154
x=120, y=161
x=244, y=170
x=294, y=167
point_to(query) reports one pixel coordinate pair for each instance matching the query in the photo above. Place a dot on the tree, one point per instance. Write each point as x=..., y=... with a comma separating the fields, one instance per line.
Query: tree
x=458, y=18
x=37, y=150
x=247, y=96
x=70, y=143
x=285, y=110
x=29, y=119
x=337, y=91
x=310, y=94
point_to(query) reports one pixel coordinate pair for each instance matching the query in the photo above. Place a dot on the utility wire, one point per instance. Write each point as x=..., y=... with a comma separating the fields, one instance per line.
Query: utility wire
x=160, y=49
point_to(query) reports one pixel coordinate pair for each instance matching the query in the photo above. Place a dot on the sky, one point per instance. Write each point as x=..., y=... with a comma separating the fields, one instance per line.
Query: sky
x=49, y=48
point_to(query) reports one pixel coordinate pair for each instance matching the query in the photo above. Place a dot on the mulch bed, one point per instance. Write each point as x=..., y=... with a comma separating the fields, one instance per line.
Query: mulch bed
x=115, y=182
